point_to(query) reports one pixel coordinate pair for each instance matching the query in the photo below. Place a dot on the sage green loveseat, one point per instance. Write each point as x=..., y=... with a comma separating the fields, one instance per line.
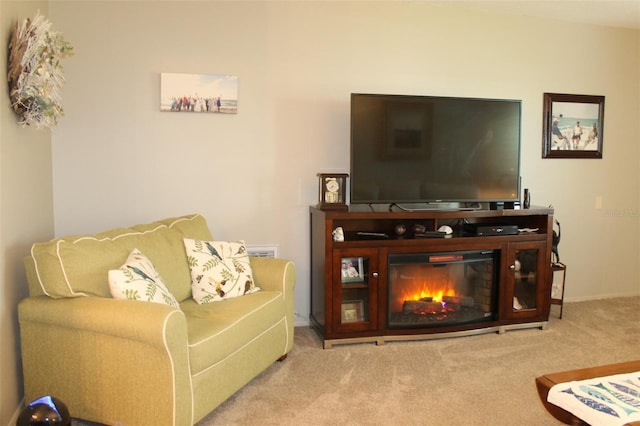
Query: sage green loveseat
x=116, y=361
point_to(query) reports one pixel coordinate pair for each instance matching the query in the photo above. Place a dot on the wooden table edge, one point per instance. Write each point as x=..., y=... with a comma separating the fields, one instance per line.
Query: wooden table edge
x=545, y=382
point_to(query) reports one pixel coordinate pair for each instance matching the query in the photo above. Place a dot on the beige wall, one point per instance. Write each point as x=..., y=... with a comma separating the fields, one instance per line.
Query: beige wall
x=118, y=160
x=26, y=212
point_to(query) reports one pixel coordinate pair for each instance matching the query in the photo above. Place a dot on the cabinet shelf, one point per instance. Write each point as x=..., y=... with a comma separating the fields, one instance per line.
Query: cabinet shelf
x=354, y=285
x=528, y=236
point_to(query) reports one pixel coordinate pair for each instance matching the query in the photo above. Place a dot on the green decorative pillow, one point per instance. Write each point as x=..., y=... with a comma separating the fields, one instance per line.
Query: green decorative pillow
x=138, y=279
x=219, y=270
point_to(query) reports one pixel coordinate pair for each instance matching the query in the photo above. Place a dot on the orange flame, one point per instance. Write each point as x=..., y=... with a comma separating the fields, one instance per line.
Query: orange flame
x=414, y=285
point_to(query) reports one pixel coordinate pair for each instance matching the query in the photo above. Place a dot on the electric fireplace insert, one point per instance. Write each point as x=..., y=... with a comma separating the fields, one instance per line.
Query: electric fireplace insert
x=442, y=289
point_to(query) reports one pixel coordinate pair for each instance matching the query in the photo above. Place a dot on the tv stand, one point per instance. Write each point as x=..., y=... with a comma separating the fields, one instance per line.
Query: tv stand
x=357, y=308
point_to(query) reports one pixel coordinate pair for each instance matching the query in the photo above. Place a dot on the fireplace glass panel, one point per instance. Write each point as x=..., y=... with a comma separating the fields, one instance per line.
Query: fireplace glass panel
x=441, y=289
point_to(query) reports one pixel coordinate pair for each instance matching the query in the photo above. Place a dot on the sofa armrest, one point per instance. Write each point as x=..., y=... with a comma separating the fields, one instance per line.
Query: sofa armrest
x=277, y=275
x=274, y=274
x=111, y=361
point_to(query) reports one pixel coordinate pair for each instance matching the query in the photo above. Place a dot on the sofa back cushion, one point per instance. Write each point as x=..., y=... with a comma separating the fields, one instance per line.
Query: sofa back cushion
x=79, y=265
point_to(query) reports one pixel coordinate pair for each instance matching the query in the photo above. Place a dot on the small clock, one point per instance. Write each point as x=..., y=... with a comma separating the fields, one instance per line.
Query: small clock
x=332, y=191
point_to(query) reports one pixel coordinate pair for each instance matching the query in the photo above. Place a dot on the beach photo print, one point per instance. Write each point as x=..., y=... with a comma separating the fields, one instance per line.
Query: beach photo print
x=199, y=93
x=572, y=126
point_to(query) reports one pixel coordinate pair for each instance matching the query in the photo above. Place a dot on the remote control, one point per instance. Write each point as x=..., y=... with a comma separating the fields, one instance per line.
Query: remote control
x=431, y=234
x=372, y=234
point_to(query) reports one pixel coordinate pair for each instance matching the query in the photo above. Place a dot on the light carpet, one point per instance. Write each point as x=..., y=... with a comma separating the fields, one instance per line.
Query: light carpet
x=475, y=380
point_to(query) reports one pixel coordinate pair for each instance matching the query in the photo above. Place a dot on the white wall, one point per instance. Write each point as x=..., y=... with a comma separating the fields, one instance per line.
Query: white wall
x=117, y=160
x=26, y=212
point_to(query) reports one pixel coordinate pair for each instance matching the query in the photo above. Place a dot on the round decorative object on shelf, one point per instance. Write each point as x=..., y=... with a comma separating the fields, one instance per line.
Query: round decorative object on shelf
x=35, y=71
x=46, y=410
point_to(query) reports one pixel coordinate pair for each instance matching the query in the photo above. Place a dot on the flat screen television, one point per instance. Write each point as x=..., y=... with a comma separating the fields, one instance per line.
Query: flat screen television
x=428, y=149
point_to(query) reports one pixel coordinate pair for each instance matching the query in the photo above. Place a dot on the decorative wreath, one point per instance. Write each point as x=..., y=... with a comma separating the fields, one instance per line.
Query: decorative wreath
x=35, y=71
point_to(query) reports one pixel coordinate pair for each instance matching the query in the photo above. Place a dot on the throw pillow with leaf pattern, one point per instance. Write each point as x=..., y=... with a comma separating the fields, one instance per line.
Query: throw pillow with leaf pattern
x=138, y=279
x=219, y=270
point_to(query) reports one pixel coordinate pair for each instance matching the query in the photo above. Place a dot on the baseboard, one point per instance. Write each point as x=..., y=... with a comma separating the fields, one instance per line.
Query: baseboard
x=600, y=297
x=300, y=321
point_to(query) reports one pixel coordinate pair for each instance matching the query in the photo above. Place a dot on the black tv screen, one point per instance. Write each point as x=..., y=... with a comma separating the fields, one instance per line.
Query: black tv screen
x=427, y=149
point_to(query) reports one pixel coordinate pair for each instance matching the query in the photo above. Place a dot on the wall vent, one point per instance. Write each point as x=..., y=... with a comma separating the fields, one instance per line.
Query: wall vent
x=263, y=251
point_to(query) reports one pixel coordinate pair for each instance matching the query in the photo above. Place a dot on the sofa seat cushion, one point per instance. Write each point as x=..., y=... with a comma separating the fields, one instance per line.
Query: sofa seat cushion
x=79, y=265
x=218, y=330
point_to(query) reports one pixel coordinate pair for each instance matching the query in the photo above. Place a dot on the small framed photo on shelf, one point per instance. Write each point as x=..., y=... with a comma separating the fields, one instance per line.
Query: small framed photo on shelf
x=572, y=126
x=352, y=270
x=352, y=311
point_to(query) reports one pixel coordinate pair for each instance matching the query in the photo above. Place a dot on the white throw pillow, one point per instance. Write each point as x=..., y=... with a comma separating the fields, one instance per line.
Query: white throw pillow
x=138, y=279
x=219, y=270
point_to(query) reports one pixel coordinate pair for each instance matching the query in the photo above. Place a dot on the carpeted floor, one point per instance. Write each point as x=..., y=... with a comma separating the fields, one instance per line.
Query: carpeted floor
x=474, y=380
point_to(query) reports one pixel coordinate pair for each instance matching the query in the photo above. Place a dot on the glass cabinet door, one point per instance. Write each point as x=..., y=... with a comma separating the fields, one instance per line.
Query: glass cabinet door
x=525, y=286
x=355, y=281
x=526, y=283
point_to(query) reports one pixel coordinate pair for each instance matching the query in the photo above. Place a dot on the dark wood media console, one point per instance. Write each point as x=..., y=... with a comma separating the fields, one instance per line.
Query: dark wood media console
x=488, y=283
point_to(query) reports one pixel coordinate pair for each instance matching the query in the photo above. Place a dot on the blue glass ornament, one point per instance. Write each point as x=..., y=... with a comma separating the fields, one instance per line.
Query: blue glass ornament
x=46, y=410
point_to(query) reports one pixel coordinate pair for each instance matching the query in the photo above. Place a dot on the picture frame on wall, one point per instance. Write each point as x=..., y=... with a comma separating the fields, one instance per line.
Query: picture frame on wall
x=572, y=126
x=198, y=93
x=352, y=270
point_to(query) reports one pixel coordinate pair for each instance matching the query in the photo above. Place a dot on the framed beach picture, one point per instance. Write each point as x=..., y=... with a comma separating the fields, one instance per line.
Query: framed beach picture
x=198, y=93
x=572, y=126
x=352, y=270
